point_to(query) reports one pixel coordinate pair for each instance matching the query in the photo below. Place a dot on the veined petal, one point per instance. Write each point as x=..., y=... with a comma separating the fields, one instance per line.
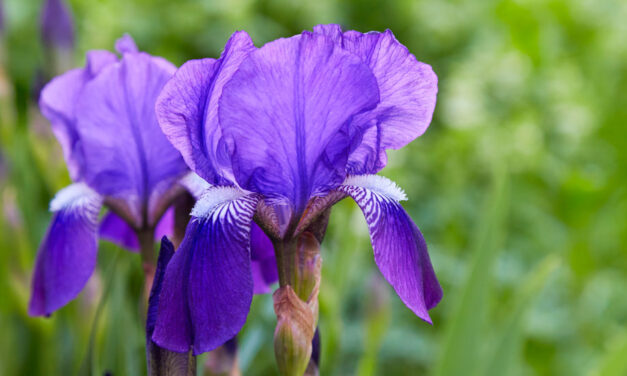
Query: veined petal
x=116, y=230
x=285, y=116
x=187, y=109
x=264, y=268
x=407, y=90
x=400, y=251
x=67, y=256
x=58, y=104
x=127, y=157
x=208, y=285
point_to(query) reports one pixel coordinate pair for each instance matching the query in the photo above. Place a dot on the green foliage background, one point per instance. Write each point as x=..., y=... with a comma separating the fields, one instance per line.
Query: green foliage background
x=519, y=187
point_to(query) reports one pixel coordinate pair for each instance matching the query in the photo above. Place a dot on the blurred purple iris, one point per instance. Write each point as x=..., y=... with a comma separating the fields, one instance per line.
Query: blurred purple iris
x=117, y=156
x=283, y=132
x=1, y=16
x=57, y=29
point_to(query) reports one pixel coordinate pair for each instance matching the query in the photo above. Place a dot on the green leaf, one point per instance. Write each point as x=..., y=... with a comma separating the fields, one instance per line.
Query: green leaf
x=462, y=350
x=511, y=338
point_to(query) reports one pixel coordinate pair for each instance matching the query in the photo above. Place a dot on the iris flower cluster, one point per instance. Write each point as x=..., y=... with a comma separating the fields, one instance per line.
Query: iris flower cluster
x=274, y=136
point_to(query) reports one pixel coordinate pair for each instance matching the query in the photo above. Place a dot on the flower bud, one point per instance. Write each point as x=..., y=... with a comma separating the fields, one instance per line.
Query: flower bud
x=296, y=304
x=294, y=332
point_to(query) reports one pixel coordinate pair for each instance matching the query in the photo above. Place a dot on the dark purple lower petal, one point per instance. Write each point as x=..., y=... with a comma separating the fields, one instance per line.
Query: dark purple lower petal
x=165, y=255
x=263, y=264
x=315, y=348
x=400, y=250
x=68, y=254
x=208, y=285
x=161, y=361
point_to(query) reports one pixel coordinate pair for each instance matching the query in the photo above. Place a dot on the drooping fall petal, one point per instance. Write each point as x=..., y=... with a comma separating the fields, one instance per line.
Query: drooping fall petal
x=400, y=251
x=68, y=254
x=208, y=285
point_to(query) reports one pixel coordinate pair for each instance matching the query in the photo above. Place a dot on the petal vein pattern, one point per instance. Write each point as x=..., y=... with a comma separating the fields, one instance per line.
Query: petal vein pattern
x=286, y=113
x=208, y=285
x=407, y=89
x=400, y=250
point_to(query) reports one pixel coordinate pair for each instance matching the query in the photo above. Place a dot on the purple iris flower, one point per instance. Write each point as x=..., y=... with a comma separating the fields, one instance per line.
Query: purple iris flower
x=57, y=28
x=281, y=133
x=1, y=16
x=117, y=156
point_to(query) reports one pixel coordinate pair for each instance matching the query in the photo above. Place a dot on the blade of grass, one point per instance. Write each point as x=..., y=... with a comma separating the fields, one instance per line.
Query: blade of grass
x=87, y=366
x=614, y=363
x=504, y=360
x=462, y=350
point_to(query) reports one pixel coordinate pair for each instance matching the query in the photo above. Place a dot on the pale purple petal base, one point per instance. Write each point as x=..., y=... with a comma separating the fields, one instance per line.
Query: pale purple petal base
x=116, y=230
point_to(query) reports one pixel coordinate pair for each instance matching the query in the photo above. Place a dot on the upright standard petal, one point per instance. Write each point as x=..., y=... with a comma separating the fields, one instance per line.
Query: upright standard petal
x=407, y=88
x=67, y=256
x=399, y=248
x=187, y=109
x=286, y=113
x=208, y=285
x=127, y=157
x=58, y=104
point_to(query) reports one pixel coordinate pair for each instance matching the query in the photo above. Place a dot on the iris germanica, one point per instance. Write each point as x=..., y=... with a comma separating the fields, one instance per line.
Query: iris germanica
x=57, y=28
x=281, y=133
x=103, y=117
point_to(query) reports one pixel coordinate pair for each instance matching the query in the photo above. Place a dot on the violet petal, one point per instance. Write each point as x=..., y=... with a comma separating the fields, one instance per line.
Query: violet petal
x=208, y=285
x=286, y=114
x=263, y=265
x=58, y=104
x=187, y=109
x=116, y=230
x=400, y=251
x=126, y=155
x=68, y=254
x=407, y=90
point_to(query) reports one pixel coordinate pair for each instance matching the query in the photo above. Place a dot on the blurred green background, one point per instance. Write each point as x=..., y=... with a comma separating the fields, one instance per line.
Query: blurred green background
x=519, y=187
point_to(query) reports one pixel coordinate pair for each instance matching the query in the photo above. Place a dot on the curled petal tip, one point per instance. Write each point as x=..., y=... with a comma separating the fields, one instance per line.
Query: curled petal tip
x=126, y=44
